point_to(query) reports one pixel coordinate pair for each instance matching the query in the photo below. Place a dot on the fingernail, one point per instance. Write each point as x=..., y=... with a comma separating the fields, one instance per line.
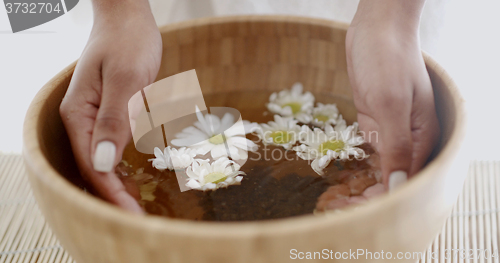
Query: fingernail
x=396, y=179
x=104, y=156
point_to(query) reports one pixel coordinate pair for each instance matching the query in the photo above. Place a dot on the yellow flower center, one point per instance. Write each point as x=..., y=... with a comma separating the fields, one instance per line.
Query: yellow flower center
x=295, y=106
x=281, y=137
x=216, y=139
x=334, y=145
x=215, y=178
x=321, y=117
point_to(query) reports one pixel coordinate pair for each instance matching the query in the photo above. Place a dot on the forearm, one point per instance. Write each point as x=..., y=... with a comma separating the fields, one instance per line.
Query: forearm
x=404, y=14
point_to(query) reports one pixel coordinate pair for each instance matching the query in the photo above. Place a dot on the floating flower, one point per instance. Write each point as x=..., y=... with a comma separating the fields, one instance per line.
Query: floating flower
x=204, y=175
x=325, y=114
x=220, y=137
x=292, y=102
x=283, y=131
x=250, y=126
x=173, y=159
x=334, y=143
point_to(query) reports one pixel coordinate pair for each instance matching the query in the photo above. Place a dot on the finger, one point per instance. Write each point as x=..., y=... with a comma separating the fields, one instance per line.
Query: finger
x=425, y=126
x=395, y=146
x=111, y=188
x=112, y=127
x=369, y=128
x=78, y=111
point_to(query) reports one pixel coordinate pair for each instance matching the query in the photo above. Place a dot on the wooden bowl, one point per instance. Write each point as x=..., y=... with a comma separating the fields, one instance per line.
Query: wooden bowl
x=243, y=53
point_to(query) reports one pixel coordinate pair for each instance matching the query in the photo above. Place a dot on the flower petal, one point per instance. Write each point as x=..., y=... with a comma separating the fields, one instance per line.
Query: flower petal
x=204, y=148
x=316, y=168
x=193, y=184
x=226, y=122
x=218, y=151
x=297, y=88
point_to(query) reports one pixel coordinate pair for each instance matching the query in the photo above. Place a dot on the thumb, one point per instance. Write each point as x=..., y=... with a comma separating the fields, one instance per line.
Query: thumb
x=425, y=127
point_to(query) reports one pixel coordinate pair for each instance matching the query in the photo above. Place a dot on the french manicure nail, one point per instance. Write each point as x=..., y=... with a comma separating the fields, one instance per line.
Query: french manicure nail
x=104, y=156
x=396, y=179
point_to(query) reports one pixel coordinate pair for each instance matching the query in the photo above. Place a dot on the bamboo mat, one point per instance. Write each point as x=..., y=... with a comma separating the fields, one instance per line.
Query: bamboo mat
x=473, y=224
x=24, y=234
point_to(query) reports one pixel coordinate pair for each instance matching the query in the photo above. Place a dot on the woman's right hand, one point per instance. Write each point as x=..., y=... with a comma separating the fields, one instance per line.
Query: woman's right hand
x=122, y=56
x=391, y=87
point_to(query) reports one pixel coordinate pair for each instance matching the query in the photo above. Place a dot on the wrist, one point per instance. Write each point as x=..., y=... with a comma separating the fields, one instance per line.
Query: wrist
x=392, y=15
x=111, y=11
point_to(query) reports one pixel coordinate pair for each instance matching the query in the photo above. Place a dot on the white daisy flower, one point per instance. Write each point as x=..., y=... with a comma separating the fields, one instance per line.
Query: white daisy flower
x=334, y=143
x=204, y=175
x=292, y=102
x=213, y=134
x=173, y=159
x=325, y=114
x=283, y=131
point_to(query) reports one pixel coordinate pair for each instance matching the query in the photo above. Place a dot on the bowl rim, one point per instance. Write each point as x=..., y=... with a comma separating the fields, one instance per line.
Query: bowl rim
x=35, y=160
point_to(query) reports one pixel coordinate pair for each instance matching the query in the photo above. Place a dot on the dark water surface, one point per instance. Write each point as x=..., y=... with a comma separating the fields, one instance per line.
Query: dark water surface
x=270, y=189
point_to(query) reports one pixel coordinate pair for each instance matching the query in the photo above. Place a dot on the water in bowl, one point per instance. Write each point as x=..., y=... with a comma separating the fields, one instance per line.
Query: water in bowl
x=277, y=183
